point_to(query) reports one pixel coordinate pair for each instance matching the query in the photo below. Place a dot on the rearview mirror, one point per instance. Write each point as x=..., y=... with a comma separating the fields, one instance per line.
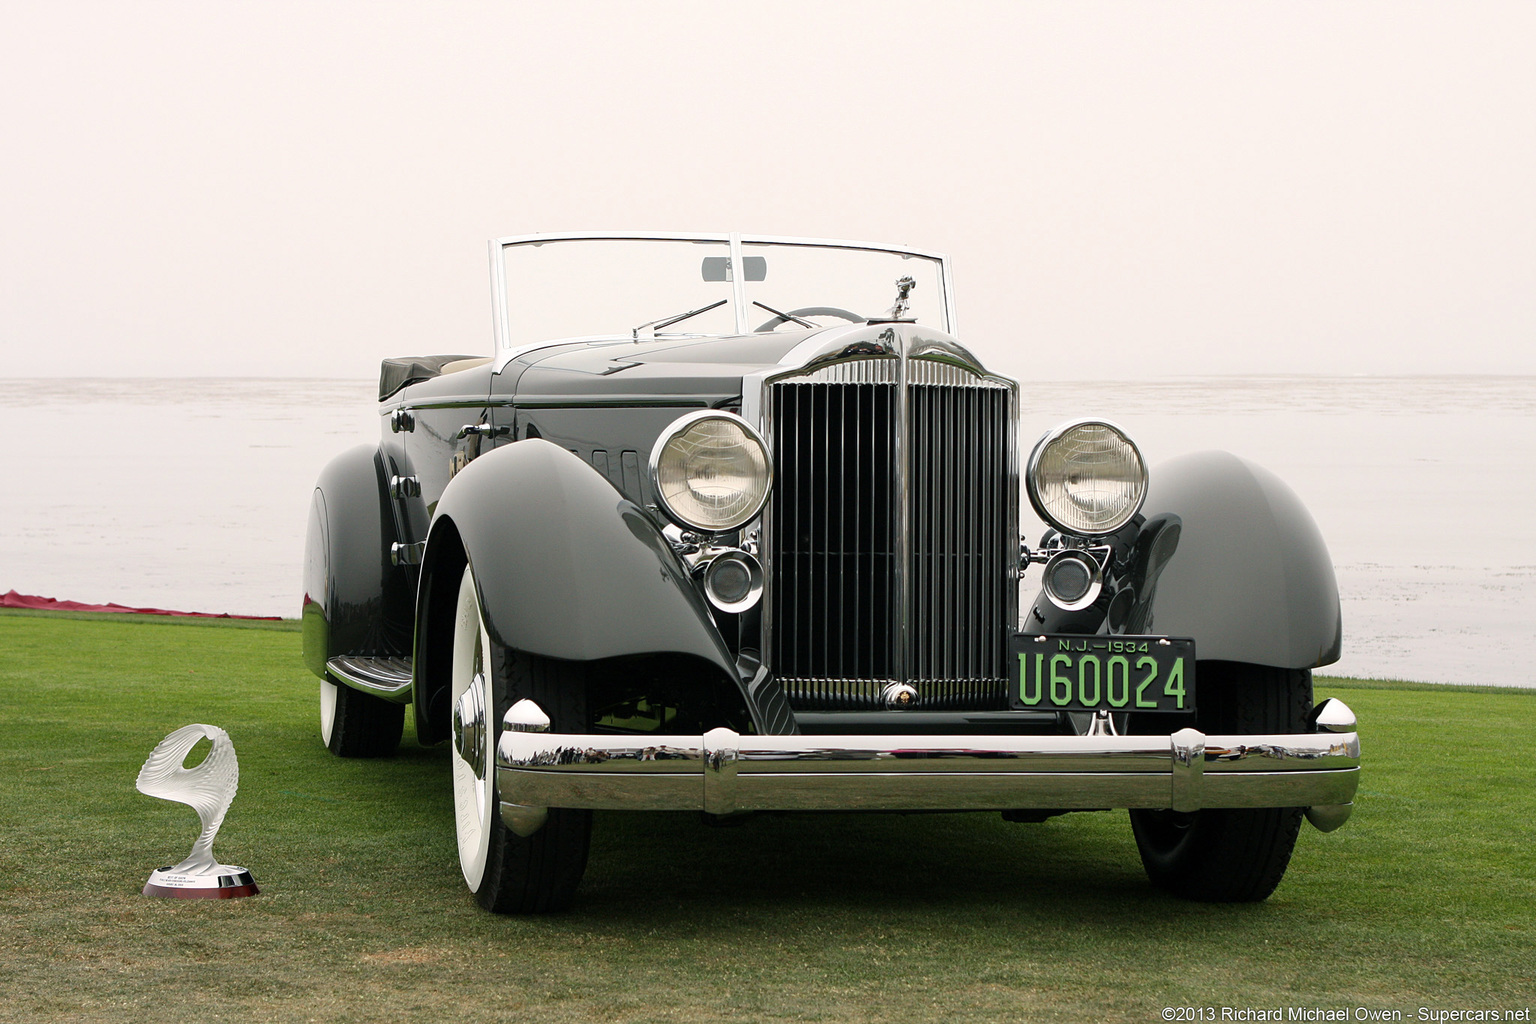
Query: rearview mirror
x=718, y=268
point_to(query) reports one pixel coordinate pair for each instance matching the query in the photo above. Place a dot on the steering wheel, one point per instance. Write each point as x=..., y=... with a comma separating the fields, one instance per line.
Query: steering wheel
x=837, y=311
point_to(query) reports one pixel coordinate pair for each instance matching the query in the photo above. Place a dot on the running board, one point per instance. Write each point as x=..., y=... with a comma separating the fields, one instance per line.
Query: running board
x=385, y=677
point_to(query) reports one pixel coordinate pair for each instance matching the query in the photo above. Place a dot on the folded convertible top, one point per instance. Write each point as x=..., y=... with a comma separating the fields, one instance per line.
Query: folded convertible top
x=395, y=374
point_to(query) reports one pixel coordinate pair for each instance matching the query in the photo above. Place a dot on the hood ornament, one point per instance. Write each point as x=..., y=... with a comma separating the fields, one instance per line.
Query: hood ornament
x=898, y=312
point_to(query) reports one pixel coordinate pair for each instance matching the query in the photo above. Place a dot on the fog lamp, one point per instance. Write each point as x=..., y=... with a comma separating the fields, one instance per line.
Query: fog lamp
x=1073, y=580
x=733, y=582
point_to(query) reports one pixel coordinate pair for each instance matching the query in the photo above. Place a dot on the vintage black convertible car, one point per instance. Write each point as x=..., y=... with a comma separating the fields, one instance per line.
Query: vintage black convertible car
x=731, y=523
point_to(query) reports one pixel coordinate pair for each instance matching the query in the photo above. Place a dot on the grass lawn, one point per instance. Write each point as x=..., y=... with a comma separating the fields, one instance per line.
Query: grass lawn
x=1427, y=898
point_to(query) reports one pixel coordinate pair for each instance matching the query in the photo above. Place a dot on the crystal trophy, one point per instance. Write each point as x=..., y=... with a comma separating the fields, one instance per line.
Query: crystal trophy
x=208, y=788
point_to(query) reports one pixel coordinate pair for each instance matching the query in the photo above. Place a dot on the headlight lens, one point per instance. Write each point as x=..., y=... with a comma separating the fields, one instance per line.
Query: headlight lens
x=711, y=471
x=1086, y=478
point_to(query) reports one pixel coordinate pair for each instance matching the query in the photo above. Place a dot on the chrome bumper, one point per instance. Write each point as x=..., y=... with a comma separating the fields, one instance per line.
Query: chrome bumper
x=722, y=771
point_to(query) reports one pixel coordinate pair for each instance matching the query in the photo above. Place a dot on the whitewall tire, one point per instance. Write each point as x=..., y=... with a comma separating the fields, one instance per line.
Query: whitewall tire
x=473, y=792
x=327, y=710
x=509, y=873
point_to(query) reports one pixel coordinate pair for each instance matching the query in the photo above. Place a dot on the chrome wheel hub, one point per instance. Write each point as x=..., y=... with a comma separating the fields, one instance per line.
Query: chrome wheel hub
x=469, y=725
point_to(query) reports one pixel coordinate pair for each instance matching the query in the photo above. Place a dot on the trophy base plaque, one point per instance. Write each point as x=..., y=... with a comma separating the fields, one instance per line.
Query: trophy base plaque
x=223, y=882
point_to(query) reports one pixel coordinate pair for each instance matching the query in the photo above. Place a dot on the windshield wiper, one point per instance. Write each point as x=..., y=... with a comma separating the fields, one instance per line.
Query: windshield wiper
x=782, y=315
x=647, y=332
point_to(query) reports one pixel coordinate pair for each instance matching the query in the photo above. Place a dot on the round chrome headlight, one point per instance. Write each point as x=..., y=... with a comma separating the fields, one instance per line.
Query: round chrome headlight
x=711, y=471
x=1086, y=478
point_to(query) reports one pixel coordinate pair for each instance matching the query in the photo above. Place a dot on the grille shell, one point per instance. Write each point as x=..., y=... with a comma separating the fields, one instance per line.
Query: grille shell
x=890, y=538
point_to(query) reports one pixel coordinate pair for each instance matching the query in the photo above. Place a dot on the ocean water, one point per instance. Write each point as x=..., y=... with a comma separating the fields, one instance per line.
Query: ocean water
x=193, y=494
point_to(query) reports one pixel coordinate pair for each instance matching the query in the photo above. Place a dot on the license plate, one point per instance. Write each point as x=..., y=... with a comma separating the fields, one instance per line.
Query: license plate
x=1112, y=673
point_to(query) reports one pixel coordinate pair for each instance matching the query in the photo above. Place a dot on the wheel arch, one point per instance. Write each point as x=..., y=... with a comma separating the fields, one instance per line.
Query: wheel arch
x=442, y=567
x=607, y=587
x=356, y=600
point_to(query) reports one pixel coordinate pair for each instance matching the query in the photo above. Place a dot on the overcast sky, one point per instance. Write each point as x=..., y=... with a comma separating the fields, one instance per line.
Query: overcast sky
x=281, y=189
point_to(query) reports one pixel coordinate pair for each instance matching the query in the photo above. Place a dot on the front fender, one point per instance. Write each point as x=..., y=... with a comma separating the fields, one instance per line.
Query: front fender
x=1248, y=575
x=566, y=566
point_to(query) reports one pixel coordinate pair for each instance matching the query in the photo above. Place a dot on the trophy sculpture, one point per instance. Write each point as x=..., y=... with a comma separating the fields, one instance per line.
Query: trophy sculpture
x=208, y=789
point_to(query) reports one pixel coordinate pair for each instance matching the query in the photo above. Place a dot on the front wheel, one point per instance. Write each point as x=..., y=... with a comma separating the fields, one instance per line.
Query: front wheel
x=509, y=873
x=1230, y=855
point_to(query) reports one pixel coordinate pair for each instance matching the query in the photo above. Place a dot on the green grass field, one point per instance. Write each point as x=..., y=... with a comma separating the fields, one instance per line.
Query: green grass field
x=1427, y=898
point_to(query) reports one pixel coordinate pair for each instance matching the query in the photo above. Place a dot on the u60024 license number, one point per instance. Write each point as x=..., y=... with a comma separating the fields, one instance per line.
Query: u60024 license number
x=1114, y=673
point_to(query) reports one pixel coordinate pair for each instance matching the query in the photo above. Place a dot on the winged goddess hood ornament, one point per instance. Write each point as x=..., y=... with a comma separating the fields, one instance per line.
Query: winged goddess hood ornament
x=898, y=312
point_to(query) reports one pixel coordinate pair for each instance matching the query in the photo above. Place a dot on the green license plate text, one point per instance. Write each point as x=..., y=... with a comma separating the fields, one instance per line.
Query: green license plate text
x=1113, y=673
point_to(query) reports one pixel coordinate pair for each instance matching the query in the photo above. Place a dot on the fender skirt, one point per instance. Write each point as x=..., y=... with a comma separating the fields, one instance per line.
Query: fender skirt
x=566, y=567
x=1230, y=556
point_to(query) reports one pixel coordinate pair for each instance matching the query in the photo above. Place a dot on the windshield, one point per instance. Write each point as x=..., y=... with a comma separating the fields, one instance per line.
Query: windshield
x=670, y=287
x=828, y=285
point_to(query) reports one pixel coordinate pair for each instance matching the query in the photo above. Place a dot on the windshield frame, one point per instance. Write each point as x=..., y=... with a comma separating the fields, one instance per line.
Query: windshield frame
x=506, y=351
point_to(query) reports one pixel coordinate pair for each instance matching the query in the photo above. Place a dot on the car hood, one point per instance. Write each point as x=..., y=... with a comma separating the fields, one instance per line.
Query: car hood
x=693, y=369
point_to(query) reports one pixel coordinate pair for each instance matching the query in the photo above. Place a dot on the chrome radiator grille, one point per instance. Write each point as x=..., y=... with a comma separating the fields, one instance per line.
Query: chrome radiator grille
x=865, y=588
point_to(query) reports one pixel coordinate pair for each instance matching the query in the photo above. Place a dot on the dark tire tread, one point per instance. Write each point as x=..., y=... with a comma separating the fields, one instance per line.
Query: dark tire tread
x=1234, y=855
x=537, y=874
x=365, y=725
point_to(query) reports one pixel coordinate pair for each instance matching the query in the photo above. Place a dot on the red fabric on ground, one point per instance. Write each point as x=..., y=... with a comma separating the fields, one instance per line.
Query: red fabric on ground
x=11, y=599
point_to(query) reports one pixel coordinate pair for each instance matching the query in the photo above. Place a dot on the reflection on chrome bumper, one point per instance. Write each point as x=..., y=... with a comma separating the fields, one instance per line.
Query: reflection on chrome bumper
x=722, y=771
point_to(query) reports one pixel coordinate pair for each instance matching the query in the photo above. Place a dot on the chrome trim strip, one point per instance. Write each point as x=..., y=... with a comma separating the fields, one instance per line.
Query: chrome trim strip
x=881, y=680
x=722, y=772
x=500, y=336
x=714, y=236
x=945, y=350
x=832, y=345
x=951, y=319
x=901, y=455
x=739, y=286
x=447, y=403
x=639, y=236
x=829, y=346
